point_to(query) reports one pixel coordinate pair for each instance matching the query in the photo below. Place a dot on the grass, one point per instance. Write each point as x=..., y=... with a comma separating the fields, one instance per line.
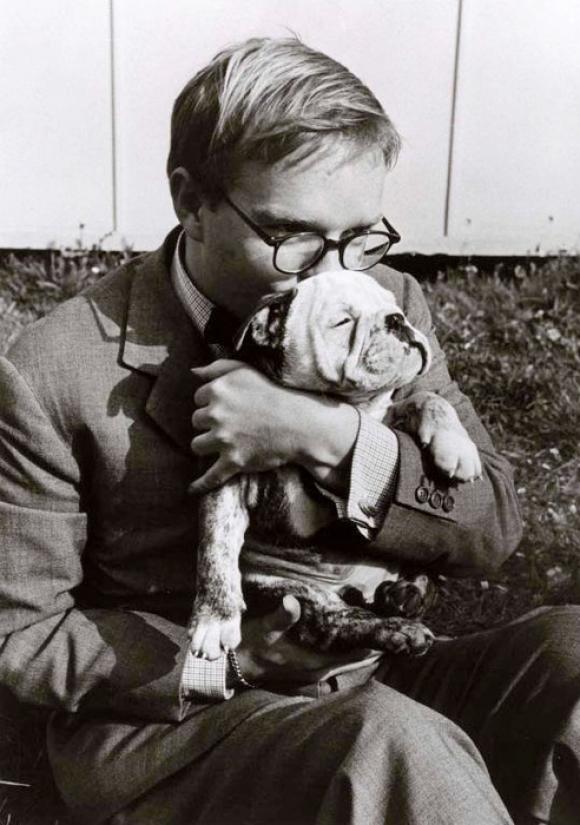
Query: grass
x=512, y=343
x=511, y=339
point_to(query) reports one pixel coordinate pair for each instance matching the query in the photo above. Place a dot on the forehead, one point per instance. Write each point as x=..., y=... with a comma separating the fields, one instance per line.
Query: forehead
x=333, y=183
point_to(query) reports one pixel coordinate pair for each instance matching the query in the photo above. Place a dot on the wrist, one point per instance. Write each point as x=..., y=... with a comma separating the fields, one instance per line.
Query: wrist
x=328, y=442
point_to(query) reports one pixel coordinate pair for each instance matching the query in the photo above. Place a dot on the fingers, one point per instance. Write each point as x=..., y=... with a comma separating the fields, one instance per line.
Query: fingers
x=220, y=472
x=205, y=444
x=209, y=373
x=202, y=419
x=216, y=369
x=286, y=615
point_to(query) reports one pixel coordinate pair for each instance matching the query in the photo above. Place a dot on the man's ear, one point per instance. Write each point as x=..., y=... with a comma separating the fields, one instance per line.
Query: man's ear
x=187, y=201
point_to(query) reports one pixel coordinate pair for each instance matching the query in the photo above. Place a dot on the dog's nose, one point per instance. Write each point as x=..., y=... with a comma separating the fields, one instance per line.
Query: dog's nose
x=394, y=322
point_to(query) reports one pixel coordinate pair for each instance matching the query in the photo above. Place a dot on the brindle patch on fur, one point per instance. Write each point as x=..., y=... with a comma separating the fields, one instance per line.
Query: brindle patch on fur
x=327, y=624
x=271, y=522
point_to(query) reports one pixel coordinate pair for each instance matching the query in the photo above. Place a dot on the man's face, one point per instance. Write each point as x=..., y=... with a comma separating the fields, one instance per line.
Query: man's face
x=332, y=192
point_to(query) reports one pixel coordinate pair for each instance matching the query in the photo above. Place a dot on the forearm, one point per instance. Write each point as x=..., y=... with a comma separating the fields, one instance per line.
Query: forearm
x=326, y=439
x=98, y=660
x=453, y=528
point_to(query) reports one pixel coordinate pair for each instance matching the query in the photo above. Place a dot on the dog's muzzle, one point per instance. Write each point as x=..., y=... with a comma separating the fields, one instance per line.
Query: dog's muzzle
x=396, y=324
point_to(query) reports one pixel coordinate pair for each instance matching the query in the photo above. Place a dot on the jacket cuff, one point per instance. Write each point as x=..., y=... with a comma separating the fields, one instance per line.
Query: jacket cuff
x=422, y=487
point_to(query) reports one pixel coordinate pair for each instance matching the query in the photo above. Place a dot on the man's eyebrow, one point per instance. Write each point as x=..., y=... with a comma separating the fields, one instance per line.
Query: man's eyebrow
x=266, y=218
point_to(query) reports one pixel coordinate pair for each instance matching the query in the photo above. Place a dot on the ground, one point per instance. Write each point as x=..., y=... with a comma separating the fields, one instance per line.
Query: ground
x=511, y=336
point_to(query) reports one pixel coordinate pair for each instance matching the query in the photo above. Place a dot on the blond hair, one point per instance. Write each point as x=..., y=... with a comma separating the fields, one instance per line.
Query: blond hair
x=267, y=99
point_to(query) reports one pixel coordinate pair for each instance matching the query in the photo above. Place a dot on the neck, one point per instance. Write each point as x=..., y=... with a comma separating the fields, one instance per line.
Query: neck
x=193, y=264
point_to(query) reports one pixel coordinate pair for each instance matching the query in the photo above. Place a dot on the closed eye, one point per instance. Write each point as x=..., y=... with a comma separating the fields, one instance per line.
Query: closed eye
x=342, y=322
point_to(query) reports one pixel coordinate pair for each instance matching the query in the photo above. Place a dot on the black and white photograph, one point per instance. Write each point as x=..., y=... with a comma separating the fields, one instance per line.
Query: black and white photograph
x=290, y=412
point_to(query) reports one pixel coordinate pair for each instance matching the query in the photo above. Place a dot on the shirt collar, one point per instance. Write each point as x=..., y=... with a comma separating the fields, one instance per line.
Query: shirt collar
x=194, y=302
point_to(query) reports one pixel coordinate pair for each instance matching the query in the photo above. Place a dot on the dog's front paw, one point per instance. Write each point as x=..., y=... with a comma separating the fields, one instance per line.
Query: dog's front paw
x=441, y=432
x=455, y=454
x=211, y=636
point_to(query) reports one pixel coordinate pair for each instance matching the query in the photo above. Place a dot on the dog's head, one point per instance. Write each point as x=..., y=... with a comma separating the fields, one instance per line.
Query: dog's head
x=337, y=332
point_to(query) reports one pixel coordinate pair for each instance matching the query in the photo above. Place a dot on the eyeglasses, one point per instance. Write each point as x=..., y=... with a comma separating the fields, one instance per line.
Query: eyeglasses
x=298, y=251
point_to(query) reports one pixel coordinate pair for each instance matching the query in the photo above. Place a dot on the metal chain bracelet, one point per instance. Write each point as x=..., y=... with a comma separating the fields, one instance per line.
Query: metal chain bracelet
x=237, y=671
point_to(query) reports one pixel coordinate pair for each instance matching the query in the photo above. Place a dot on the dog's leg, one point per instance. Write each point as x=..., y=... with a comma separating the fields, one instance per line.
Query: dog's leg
x=436, y=424
x=218, y=605
x=340, y=629
x=328, y=624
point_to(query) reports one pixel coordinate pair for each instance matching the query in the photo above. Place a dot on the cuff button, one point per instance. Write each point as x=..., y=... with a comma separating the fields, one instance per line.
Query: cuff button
x=422, y=494
x=436, y=500
x=448, y=504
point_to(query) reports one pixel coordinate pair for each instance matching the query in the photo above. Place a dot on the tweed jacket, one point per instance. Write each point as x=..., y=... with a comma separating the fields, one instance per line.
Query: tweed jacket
x=98, y=533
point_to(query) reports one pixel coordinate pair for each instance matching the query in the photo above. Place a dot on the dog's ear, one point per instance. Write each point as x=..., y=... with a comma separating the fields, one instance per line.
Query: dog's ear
x=260, y=340
x=265, y=326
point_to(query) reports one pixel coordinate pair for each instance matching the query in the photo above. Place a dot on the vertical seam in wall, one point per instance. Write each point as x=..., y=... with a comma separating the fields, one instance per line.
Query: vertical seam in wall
x=113, y=123
x=452, y=120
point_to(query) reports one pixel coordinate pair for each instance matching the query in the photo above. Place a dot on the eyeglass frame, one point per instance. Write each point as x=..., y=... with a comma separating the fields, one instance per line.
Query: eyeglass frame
x=391, y=233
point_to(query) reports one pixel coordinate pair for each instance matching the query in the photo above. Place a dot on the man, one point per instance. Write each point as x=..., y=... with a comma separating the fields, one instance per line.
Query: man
x=99, y=447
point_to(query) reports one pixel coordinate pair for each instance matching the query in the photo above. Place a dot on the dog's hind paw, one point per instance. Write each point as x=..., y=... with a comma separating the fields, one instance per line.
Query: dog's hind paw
x=211, y=637
x=406, y=637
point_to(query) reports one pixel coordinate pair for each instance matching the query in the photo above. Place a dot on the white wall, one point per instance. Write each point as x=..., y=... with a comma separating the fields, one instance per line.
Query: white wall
x=87, y=89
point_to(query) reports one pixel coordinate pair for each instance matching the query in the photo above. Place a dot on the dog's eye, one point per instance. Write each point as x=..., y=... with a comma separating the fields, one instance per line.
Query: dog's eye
x=343, y=321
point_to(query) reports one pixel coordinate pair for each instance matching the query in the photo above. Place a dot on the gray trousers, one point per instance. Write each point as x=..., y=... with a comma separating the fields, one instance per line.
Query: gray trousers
x=439, y=740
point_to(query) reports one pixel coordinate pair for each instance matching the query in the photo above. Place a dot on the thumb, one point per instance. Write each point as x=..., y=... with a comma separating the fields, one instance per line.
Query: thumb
x=219, y=472
x=283, y=618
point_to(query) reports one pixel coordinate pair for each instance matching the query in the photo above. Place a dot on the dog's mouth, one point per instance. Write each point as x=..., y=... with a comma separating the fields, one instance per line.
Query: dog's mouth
x=424, y=353
x=397, y=351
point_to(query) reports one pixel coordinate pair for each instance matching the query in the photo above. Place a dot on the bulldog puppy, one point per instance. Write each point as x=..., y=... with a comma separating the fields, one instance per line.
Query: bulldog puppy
x=341, y=334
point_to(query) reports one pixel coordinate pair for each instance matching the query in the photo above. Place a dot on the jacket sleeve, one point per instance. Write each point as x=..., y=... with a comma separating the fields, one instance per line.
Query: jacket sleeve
x=450, y=527
x=51, y=652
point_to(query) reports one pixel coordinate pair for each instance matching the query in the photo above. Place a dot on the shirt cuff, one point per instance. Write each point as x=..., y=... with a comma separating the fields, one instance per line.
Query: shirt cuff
x=204, y=680
x=373, y=475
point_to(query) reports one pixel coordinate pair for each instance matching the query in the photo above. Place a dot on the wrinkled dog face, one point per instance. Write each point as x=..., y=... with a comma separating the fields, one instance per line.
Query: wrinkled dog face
x=337, y=332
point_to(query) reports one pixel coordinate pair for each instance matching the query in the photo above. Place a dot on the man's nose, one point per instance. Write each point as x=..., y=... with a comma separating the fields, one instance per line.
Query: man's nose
x=330, y=262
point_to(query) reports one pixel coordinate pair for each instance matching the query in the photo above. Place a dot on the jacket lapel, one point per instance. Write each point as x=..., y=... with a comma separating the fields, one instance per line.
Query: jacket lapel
x=160, y=340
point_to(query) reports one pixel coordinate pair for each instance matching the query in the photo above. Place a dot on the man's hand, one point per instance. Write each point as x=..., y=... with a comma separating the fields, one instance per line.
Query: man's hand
x=243, y=418
x=266, y=654
x=253, y=425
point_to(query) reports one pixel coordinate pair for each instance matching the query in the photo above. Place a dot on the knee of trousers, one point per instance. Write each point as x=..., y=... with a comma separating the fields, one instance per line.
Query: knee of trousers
x=376, y=719
x=543, y=650
x=554, y=634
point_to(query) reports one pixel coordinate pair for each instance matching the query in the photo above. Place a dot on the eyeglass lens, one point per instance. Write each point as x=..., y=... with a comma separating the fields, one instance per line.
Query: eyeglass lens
x=298, y=252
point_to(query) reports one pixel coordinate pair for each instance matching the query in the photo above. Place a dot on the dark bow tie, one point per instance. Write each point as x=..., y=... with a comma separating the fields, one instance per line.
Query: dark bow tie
x=221, y=328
